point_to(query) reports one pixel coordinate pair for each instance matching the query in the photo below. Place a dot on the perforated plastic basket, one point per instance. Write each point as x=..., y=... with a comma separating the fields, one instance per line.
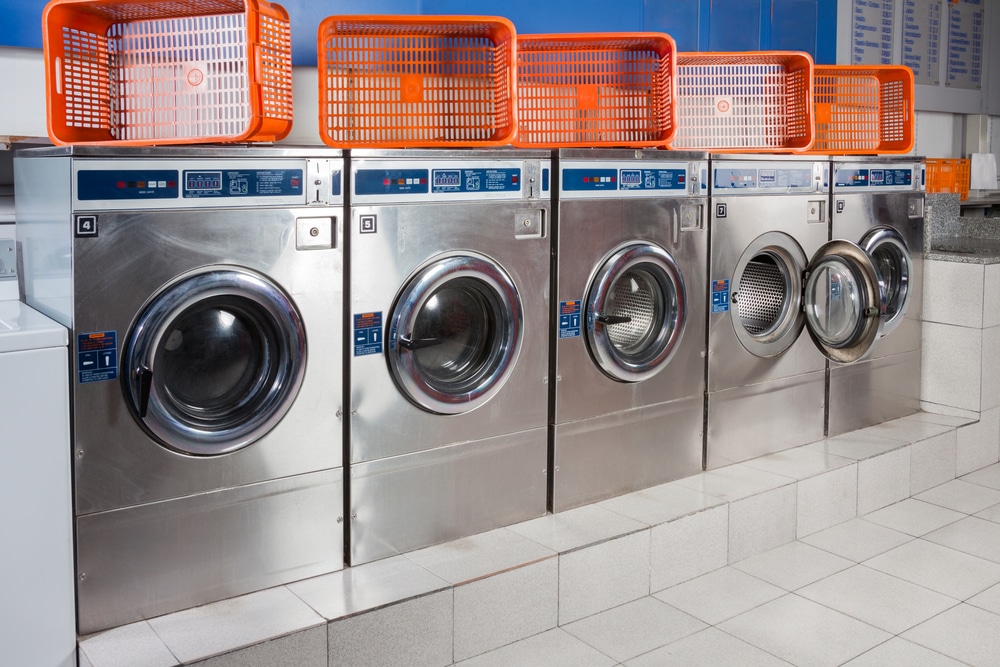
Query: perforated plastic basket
x=416, y=81
x=863, y=109
x=599, y=89
x=758, y=101
x=949, y=175
x=167, y=71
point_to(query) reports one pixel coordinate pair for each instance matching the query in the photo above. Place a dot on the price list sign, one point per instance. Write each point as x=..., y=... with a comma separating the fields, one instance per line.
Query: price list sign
x=922, y=40
x=872, y=30
x=965, y=44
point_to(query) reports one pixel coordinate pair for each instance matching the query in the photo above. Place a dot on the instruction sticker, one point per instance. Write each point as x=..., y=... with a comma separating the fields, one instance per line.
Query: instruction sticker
x=97, y=356
x=367, y=334
x=569, y=319
x=720, y=296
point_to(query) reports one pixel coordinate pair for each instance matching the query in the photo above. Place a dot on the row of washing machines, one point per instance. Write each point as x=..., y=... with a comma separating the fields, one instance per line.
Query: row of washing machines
x=283, y=359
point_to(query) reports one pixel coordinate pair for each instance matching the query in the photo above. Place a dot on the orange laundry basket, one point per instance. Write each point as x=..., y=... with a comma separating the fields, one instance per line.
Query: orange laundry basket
x=863, y=109
x=145, y=72
x=599, y=89
x=949, y=175
x=757, y=101
x=416, y=81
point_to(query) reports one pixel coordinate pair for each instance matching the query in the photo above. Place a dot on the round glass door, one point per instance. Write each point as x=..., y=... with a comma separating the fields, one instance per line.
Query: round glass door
x=843, y=301
x=455, y=333
x=636, y=309
x=214, y=362
x=894, y=265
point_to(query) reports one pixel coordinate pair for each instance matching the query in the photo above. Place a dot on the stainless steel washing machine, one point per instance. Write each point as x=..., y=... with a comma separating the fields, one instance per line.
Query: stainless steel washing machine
x=628, y=352
x=772, y=272
x=449, y=296
x=203, y=289
x=879, y=204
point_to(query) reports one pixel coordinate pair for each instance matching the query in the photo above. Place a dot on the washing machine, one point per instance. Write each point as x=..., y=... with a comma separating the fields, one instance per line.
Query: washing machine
x=628, y=354
x=879, y=204
x=203, y=291
x=449, y=297
x=773, y=273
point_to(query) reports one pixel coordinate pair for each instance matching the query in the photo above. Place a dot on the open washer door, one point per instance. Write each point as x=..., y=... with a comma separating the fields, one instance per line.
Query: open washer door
x=455, y=333
x=214, y=361
x=636, y=310
x=844, y=302
x=894, y=264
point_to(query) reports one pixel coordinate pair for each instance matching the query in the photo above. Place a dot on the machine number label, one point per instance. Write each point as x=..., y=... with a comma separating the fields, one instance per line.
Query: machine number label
x=97, y=356
x=367, y=334
x=569, y=319
x=720, y=296
x=86, y=225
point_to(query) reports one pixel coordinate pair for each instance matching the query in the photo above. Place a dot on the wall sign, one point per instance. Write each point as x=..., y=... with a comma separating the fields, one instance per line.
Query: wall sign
x=922, y=40
x=871, y=32
x=965, y=44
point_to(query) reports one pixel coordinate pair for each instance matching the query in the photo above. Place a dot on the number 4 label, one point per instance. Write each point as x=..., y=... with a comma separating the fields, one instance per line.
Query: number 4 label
x=86, y=225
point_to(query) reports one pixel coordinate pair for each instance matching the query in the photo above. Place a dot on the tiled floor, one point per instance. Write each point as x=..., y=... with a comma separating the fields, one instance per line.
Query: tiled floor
x=914, y=583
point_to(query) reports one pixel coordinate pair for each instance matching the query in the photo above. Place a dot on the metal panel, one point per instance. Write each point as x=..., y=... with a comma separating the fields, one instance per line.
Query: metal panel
x=872, y=392
x=158, y=558
x=625, y=451
x=407, y=502
x=764, y=418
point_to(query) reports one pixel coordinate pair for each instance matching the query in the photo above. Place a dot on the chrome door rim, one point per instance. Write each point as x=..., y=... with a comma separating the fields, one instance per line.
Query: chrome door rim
x=875, y=240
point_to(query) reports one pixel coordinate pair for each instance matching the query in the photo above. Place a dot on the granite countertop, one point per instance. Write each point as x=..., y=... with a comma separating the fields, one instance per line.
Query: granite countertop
x=950, y=237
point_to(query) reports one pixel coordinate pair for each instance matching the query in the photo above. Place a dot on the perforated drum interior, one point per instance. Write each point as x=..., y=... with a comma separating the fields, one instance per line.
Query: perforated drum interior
x=762, y=294
x=635, y=296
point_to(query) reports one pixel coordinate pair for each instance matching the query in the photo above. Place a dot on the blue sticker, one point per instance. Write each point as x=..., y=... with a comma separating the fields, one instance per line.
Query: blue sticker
x=475, y=180
x=569, y=319
x=720, y=296
x=367, y=334
x=336, y=178
x=852, y=178
x=206, y=184
x=391, y=182
x=653, y=179
x=589, y=179
x=126, y=184
x=545, y=180
x=97, y=356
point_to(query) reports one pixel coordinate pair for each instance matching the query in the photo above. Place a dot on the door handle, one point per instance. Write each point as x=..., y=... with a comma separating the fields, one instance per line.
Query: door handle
x=418, y=343
x=608, y=320
x=145, y=377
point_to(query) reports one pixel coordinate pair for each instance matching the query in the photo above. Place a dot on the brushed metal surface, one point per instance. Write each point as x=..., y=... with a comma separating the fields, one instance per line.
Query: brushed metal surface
x=873, y=391
x=153, y=559
x=608, y=455
x=403, y=503
x=747, y=422
x=383, y=422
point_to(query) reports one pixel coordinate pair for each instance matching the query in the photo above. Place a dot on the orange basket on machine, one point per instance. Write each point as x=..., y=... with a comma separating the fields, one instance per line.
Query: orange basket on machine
x=596, y=90
x=863, y=109
x=147, y=72
x=416, y=81
x=758, y=101
x=948, y=175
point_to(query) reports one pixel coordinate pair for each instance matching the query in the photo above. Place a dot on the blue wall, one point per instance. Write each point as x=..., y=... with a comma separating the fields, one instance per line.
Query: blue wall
x=696, y=25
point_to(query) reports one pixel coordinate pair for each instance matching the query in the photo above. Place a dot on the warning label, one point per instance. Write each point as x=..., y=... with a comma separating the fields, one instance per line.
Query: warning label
x=720, y=296
x=97, y=356
x=367, y=334
x=569, y=319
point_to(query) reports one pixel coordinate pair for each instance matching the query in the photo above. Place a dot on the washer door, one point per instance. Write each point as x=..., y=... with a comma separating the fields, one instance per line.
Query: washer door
x=214, y=361
x=455, y=334
x=894, y=264
x=636, y=309
x=767, y=294
x=843, y=301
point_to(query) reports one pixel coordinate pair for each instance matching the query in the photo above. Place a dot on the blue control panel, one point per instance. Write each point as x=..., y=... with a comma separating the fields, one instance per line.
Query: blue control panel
x=475, y=180
x=391, y=181
x=589, y=179
x=623, y=180
x=242, y=183
x=126, y=185
x=852, y=178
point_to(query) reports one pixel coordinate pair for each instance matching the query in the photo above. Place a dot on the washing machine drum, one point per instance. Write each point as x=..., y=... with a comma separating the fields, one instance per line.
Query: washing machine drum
x=636, y=309
x=214, y=361
x=894, y=264
x=455, y=334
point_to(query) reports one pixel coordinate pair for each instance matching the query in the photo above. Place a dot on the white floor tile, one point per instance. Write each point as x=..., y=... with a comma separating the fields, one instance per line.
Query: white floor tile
x=979, y=443
x=988, y=476
x=793, y=565
x=578, y=527
x=826, y=500
x=938, y=418
x=877, y=598
x=133, y=644
x=708, y=648
x=762, y=522
x=990, y=514
x=965, y=633
x=961, y=496
x=480, y=555
x=938, y=568
x=635, y=628
x=883, y=480
x=857, y=539
x=907, y=430
x=914, y=517
x=555, y=648
x=971, y=535
x=902, y=653
x=988, y=599
x=661, y=504
x=603, y=576
x=799, y=463
x=932, y=461
x=804, y=633
x=308, y=648
x=735, y=482
x=720, y=595
x=688, y=547
x=856, y=445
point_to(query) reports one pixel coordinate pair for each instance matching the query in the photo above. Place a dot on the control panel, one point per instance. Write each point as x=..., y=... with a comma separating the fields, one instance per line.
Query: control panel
x=381, y=181
x=776, y=178
x=582, y=179
x=877, y=177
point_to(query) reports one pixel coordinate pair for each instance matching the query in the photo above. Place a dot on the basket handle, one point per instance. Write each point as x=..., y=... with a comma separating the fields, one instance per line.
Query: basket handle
x=58, y=74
